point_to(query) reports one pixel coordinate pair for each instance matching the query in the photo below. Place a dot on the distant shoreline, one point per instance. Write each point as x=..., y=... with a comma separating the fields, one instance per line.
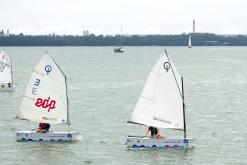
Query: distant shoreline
x=198, y=39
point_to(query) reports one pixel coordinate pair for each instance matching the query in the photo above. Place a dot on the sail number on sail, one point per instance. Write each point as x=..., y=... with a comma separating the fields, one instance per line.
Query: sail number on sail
x=46, y=103
x=36, y=84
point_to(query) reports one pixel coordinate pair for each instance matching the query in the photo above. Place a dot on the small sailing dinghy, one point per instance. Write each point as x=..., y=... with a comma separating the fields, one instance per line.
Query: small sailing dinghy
x=6, y=79
x=160, y=105
x=189, y=42
x=119, y=48
x=45, y=101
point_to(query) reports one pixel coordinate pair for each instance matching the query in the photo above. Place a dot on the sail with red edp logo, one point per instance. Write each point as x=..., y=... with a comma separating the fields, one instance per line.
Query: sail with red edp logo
x=46, y=103
x=46, y=94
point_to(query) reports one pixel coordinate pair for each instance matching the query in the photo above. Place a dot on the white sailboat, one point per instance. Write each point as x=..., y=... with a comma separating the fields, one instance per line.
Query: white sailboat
x=160, y=105
x=189, y=42
x=119, y=49
x=6, y=79
x=45, y=101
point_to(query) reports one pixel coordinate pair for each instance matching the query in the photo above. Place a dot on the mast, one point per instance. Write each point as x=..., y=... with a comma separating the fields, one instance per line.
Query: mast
x=11, y=73
x=181, y=93
x=67, y=100
x=121, y=39
x=183, y=107
x=68, y=121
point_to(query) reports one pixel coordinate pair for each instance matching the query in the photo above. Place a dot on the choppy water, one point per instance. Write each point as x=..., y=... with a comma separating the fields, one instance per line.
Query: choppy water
x=103, y=90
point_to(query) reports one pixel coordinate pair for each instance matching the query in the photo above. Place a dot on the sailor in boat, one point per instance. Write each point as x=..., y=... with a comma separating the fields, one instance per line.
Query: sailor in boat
x=154, y=132
x=43, y=128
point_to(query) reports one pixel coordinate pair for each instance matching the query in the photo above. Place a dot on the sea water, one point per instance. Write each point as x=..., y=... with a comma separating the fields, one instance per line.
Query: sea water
x=103, y=88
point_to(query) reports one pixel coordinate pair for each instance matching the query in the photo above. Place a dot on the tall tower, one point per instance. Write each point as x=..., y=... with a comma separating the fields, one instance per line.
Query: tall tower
x=194, y=26
x=7, y=34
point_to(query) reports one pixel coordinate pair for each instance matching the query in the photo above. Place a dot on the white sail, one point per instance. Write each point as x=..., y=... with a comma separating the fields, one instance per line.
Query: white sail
x=5, y=69
x=45, y=98
x=161, y=103
x=189, y=42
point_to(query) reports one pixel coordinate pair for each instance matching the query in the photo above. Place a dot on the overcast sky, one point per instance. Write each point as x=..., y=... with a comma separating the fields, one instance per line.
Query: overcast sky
x=135, y=16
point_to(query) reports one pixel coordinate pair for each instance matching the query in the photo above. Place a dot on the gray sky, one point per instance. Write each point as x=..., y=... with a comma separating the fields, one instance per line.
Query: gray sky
x=135, y=16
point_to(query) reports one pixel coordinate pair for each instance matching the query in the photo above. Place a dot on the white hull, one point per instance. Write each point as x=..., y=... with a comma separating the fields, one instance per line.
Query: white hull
x=147, y=142
x=5, y=87
x=11, y=89
x=46, y=137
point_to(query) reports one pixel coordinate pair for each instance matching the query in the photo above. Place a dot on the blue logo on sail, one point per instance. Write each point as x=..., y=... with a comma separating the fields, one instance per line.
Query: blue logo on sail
x=48, y=69
x=167, y=66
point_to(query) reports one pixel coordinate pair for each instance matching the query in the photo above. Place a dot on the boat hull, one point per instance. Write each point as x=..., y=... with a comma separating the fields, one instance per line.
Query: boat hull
x=8, y=89
x=147, y=142
x=46, y=137
x=4, y=87
x=118, y=50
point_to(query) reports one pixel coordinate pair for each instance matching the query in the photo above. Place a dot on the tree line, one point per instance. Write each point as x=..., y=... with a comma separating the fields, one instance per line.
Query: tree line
x=198, y=39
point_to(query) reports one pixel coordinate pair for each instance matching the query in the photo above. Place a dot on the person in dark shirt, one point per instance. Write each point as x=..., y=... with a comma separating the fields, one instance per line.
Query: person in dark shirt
x=154, y=133
x=43, y=128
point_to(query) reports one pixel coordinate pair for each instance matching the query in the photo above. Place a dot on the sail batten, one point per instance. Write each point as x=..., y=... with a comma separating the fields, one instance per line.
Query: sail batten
x=161, y=103
x=45, y=98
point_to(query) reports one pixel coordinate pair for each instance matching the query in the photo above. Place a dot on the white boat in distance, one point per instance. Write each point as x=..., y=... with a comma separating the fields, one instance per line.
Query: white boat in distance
x=189, y=42
x=45, y=101
x=160, y=105
x=6, y=79
x=119, y=48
